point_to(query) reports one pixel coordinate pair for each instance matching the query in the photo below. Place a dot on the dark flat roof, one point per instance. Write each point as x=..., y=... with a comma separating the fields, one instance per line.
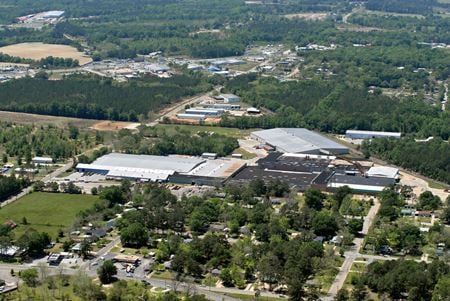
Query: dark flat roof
x=360, y=180
x=275, y=161
x=301, y=181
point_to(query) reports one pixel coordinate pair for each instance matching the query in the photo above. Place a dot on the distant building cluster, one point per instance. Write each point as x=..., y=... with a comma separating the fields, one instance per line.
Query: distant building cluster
x=47, y=17
x=127, y=69
x=221, y=104
x=316, y=47
x=9, y=71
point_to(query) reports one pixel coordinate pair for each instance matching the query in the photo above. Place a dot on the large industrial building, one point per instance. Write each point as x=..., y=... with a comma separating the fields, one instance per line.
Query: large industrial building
x=301, y=172
x=298, y=140
x=191, y=116
x=203, y=111
x=52, y=14
x=176, y=169
x=355, y=134
x=358, y=183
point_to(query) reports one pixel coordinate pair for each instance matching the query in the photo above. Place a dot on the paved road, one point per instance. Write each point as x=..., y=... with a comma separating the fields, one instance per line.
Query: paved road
x=351, y=255
x=48, y=178
x=168, y=284
x=445, y=97
x=88, y=265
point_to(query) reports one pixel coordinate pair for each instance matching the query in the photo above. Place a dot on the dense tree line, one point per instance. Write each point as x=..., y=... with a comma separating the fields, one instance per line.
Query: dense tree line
x=402, y=6
x=335, y=109
x=431, y=158
x=96, y=98
x=418, y=281
x=48, y=62
x=10, y=185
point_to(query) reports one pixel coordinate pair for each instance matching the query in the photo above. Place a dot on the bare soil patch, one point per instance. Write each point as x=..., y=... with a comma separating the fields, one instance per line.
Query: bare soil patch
x=37, y=51
x=308, y=16
x=357, y=28
x=113, y=125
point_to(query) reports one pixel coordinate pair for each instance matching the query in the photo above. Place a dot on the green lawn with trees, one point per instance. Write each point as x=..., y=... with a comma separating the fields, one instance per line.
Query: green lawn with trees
x=22, y=142
x=176, y=140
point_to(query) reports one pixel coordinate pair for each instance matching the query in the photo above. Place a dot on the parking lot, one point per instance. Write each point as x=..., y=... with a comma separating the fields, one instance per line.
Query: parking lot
x=87, y=181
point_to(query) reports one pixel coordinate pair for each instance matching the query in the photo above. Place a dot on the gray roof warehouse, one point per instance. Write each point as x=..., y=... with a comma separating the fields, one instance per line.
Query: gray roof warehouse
x=301, y=141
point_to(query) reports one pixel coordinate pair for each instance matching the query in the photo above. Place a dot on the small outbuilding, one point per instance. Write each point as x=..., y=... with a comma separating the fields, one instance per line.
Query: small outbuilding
x=42, y=160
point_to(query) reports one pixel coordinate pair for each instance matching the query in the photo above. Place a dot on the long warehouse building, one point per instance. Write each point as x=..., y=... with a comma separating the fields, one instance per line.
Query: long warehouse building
x=176, y=169
x=299, y=141
x=356, y=134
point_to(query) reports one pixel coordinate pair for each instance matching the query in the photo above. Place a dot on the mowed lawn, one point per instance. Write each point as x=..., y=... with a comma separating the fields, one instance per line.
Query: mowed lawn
x=46, y=212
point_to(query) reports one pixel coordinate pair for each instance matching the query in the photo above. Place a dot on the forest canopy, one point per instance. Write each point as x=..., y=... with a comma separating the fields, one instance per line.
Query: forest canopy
x=95, y=98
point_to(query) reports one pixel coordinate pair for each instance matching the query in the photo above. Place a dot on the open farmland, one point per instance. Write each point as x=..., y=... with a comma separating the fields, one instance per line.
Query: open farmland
x=46, y=212
x=37, y=51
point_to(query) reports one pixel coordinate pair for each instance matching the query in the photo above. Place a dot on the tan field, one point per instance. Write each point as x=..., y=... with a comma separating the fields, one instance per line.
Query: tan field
x=37, y=51
x=63, y=122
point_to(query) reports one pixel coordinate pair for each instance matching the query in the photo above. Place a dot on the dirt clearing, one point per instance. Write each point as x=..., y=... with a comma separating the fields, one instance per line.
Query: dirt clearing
x=114, y=125
x=420, y=185
x=37, y=51
x=308, y=16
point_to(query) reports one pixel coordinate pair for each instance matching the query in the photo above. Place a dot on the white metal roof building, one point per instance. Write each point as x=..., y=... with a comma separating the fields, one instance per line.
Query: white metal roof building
x=360, y=183
x=53, y=14
x=298, y=140
x=191, y=116
x=42, y=160
x=143, y=167
x=229, y=98
x=163, y=168
x=355, y=134
x=210, y=112
x=383, y=171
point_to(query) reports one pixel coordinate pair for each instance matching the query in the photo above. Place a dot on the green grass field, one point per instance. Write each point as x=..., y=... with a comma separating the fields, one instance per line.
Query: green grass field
x=437, y=185
x=231, y=132
x=245, y=154
x=46, y=212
